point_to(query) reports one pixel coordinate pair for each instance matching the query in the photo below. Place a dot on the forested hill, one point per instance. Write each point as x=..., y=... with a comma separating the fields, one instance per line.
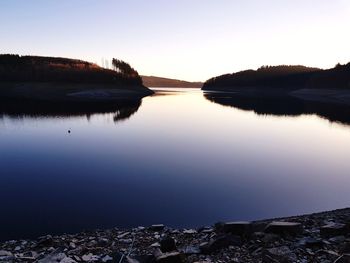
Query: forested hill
x=151, y=81
x=15, y=68
x=283, y=77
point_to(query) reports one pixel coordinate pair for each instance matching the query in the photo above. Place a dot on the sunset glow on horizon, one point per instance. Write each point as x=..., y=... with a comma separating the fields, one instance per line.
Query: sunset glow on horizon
x=191, y=40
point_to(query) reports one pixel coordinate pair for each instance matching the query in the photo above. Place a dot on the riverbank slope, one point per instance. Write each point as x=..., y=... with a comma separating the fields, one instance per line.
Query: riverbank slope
x=319, y=237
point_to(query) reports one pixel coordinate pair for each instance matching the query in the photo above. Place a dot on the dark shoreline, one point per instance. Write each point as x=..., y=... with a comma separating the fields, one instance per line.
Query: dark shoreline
x=317, y=237
x=70, y=92
x=333, y=105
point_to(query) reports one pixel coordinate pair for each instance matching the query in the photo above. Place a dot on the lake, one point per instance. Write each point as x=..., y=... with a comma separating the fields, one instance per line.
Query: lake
x=179, y=157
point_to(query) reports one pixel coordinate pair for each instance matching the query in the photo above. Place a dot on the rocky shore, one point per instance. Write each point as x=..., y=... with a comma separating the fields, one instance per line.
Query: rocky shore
x=321, y=237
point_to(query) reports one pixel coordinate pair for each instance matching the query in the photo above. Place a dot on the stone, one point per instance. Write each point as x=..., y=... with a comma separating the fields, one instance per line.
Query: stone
x=45, y=241
x=18, y=248
x=53, y=257
x=173, y=257
x=190, y=231
x=68, y=260
x=31, y=254
x=106, y=258
x=121, y=236
x=167, y=244
x=337, y=239
x=102, y=242
x=156, y=244
x=240, y=228
x=333, y=229
x=284, y=228
x=157, y=227
x=4, y=253
x=141, y=259
x=279, y=254
x=72, y=245
x=345, y=248
x=220, y=242
x=270, y=238
x=207, y=230
x=126, y=241
x=310, y=242
x=90, y=257
x=190, y=250
x=343, y=259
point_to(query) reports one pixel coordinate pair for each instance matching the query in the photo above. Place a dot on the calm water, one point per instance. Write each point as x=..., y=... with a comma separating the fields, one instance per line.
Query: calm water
x=177, y=158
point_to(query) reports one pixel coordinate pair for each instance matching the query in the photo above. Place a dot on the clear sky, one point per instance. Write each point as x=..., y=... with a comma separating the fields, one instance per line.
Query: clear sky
x=185, y=39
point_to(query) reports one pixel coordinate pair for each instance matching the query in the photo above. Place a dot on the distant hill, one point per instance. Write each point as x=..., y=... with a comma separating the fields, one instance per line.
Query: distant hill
x=151, y=81
x=283, y=77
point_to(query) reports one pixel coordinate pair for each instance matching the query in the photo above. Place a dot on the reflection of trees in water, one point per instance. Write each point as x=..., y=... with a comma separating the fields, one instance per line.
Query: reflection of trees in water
x=282, y=105
x=121, y=109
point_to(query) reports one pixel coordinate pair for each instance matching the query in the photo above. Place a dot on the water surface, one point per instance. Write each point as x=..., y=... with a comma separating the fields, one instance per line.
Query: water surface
x=178, y=158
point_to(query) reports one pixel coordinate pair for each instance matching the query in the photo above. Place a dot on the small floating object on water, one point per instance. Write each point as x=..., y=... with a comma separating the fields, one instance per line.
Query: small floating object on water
x=68, y=131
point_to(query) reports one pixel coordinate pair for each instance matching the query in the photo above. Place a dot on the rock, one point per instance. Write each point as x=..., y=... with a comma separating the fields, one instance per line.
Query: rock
x=240, y=228
x=106, y=258
x=102, y=242
x=30, y=255
x=156, y=244
x=173, y=257
x=284, y=228
x=158, y=227
x=333, y=229
x=167, y=244
x=190, y=231
x=337, y=239
x=6, y=256
x=343, y=259
x=141, y=259
x=4, y=253
x=310, y=242
x=220, y=242
x=53, y=257
x=126, y=241
x=18, y=248
x=270, y=238
x=121, y=236
x=190, y=250
x=279, y=254
x=72, y=245
x=45, y=241
x=68, y=260
x=90, y=257
x=345, y=248
x=207, y=230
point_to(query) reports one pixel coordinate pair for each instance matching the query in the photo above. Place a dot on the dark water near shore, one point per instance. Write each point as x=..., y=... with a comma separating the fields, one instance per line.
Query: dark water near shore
x=178, y=158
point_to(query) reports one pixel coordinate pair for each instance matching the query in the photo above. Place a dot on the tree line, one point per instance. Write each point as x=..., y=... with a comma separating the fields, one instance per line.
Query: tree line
x=51, y=69
x=284, y=76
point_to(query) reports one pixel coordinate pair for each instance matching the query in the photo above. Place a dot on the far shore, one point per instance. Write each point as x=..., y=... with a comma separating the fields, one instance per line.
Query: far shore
x=318, y=237
x=337, y=96
x=75, y=92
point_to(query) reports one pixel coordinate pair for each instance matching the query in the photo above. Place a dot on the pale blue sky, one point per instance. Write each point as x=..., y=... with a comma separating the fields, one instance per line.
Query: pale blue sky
x=186, y=39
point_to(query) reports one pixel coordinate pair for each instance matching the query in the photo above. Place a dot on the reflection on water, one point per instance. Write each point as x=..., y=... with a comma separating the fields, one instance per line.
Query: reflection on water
x=181, y=160
x=121, y=110
x=282, y=105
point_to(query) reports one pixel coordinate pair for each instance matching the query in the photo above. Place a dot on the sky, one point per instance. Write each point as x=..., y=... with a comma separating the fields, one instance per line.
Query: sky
x=185, y=39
